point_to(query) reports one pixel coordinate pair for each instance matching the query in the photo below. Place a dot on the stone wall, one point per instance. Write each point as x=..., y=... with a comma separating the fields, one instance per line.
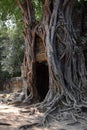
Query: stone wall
x=13, y=85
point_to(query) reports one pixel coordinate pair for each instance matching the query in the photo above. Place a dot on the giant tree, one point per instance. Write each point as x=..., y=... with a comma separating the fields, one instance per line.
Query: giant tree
x=65, y=60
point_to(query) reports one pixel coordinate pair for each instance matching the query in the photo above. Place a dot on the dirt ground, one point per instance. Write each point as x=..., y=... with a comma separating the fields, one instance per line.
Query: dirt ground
x=13, y=117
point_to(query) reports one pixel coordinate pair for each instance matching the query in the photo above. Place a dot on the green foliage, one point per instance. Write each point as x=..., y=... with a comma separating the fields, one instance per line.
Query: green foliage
x=37, y=5
x=11, y=52
x=9, y=8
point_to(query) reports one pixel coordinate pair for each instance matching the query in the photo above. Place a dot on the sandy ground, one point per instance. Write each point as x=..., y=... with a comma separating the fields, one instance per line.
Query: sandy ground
x=11, y=118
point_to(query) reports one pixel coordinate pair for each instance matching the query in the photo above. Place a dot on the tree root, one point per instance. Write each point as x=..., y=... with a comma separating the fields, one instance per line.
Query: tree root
x=22, y=99
x=28, y=126
x=28, y=99
x=73, y=123
x=64, y=111
x=7, y=124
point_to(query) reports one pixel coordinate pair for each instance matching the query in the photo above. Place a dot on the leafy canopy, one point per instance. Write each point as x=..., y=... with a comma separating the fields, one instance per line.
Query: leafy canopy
x=11, y=52
x=9, y=8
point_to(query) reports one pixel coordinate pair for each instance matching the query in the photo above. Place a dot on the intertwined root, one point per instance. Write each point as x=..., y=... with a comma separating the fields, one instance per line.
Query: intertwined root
x=67, y=93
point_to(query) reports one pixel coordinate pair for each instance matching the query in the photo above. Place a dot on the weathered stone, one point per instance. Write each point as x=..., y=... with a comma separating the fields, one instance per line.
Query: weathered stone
x=13, y=85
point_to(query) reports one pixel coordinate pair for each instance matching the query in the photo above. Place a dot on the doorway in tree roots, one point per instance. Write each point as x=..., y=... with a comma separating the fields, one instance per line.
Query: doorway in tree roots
x=42, y=79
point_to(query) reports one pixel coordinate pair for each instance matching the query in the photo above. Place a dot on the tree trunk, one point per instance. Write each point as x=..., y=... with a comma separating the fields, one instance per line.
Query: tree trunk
x=66, y=65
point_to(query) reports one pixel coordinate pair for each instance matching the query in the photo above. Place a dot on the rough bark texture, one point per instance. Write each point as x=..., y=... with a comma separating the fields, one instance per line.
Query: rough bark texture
x=67, y=72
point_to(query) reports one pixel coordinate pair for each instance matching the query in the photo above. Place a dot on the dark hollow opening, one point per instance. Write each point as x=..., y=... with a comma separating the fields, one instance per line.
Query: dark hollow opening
x=42, y=79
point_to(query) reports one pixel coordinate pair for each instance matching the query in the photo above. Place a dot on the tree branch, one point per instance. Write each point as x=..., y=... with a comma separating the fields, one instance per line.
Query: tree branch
x=30, y=10
x=27, y=11
x=20, y=5
x=65, y=3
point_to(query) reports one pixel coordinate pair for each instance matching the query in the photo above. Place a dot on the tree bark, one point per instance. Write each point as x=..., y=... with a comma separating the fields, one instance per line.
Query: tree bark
x=67, y=72
x=28, y=66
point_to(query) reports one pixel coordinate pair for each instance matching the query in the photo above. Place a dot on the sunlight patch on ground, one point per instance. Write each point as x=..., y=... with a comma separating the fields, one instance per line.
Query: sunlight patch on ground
x=18, y=116
x=8, y=109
